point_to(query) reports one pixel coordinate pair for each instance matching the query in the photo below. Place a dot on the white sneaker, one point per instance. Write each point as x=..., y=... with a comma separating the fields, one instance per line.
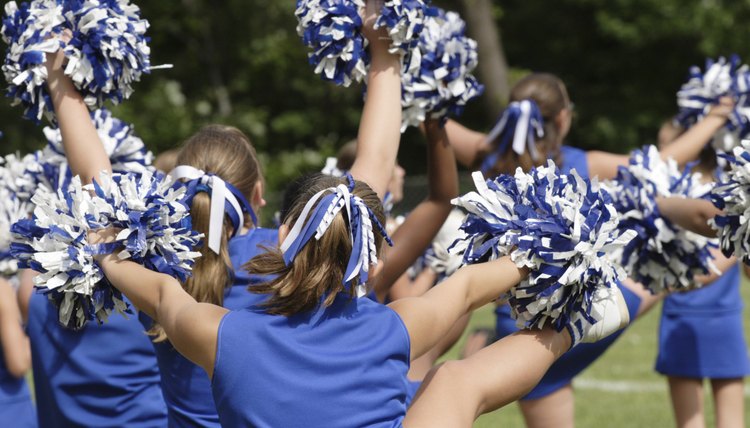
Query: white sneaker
x=611, y=311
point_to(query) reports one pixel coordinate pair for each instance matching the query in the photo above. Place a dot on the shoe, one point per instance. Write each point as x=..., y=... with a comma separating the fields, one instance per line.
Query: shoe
x=611, y=311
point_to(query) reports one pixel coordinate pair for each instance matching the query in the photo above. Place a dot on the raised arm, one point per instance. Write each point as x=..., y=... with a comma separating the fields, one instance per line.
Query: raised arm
x=380, y=126
x=466, y=143
x=424, y=222
x=192, y=327
x=16, y=347
x=83, y=148
x=428, y=318
x=685, y=149
x=692, y=214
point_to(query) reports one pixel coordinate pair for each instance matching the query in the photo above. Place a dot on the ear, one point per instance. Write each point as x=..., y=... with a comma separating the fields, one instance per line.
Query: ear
x=283, y=232
x=563, y=120
x=258, y=201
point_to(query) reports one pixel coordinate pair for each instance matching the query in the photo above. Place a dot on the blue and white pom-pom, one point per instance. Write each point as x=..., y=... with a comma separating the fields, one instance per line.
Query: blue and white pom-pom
x=559, y=226
x=703, y=90
x=55, y=244
x=663, y=256
x=332, y=168
x=12, y=209
x=732, y=195
x=154, y=230
x=332, y=30
x=107, y=51
x=405, y=21
x=127, y=153
x=438, y=257
x=438, y=81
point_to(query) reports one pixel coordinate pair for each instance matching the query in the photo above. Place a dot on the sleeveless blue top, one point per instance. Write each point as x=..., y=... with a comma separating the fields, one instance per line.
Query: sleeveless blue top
x=186, y=386
x=342, y=366
x=16, y=407
x=102, y=376
x=720, y=297
x=574, y=158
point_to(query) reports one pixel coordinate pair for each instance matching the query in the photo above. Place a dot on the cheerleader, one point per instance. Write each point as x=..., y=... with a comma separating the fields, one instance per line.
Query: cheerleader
x=15, y=400
x=544, y=99
x=215, y=155
x=318, y=357
x=101, y=376
x=701, y=334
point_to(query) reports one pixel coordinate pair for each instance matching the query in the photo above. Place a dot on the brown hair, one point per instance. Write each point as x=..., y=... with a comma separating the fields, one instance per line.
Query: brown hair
x=227, y=153
x=317, y=274
x=346, y=156
x=551, y=96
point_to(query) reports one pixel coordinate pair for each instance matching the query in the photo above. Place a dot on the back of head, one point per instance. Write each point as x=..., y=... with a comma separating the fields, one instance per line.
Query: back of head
x=227, y=153
x=316, y=275
x=346, y=156
x=549, y=94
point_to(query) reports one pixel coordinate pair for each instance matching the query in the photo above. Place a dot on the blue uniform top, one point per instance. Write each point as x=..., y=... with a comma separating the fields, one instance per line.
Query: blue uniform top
x=342, y=366
x=103, y=376
x=16, y=407
x=187, y=389
x=720, y=297
x=574, y=158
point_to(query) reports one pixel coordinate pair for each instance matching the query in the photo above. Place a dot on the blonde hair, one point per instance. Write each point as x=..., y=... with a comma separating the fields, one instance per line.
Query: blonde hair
x=551, y=96
x=227, y=153
x=316, y=275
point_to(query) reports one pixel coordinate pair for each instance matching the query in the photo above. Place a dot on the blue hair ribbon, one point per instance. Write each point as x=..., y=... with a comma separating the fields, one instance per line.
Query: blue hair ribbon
x=225, y=199
x=520, y=125
x=318, y=215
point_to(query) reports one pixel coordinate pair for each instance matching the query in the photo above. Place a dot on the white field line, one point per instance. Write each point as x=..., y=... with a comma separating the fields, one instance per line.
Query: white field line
x=625, y=386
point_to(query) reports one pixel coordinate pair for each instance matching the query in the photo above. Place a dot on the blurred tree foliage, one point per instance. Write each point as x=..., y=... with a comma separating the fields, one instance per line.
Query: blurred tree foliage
x=240, y=62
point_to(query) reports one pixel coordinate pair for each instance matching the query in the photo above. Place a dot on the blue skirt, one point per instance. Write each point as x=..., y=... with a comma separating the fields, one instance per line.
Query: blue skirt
x=573, y=362
x=703, y=346
x=18, y=412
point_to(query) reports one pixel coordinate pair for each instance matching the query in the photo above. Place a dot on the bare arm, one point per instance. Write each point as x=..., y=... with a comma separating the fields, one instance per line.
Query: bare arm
x=722, y=263
x=691, y=214
x=192, y=327
x=16, y=347
x=466, y=142
x=83, y=148
x=428, y=318
x=404, y=287
x=686, y=148
x=380, y=126
x=424, y=222
x=23, y=296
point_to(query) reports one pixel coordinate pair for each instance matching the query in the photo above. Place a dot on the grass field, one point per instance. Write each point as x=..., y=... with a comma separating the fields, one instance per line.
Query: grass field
x=604, y=392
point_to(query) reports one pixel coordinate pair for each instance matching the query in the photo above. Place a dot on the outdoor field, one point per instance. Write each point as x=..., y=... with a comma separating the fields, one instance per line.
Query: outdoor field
x=621, y=388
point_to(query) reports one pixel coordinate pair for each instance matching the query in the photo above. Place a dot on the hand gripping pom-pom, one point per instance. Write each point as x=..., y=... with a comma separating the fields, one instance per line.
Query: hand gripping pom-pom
x=663, y=256
x=703, y=90
x=438, y=79
x=732, y=195
x=154, y=230
x=55, y=244
x=332, y=31
x=106, y=54
x=560, y=226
